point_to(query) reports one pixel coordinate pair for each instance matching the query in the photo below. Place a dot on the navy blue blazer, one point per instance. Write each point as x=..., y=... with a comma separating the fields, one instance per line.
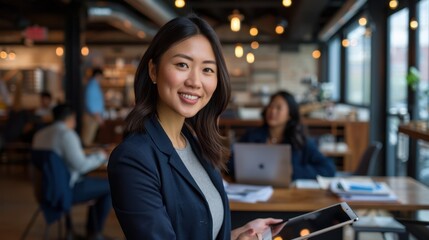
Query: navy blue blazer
x=307, y=162
x=154, y=195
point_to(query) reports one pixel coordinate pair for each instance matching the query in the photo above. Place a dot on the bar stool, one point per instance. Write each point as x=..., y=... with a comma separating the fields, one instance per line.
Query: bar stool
x=381, y=224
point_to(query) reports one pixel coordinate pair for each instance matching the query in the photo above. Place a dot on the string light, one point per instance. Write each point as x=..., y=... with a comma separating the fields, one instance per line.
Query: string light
x=239, y=51
x=253, y=31
x=414, y=24
x=84, y=51
x=345, y=42
x=287, y=3
x=254, y=45
x=280, y=29
x=3, y=54
x=12, y=55
x=59, y=51
x=179, y=3
x=393, y=4
x=250, y=58
x=316, y=54
x=362, y=21
x=235, y=19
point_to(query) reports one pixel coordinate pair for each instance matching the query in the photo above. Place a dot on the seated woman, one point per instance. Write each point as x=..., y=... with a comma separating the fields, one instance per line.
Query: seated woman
x=282, y=126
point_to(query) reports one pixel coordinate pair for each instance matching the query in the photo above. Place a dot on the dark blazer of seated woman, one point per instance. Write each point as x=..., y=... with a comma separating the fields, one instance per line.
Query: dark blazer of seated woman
x=282, y=126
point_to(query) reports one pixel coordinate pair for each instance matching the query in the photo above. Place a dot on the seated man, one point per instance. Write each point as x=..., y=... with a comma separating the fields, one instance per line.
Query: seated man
x=61, y=138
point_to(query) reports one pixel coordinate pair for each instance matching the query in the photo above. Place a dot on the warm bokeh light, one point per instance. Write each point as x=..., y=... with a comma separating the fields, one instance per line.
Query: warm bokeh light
x=179, y=3
x=280, y=29
x=239, y=51
x=278, y=238
x=304, y=232
x=84, y=51
x=393, y=4
x=287, y=3
x=59, y=51
x=3, y=54
x=316, y=54
x=345, y=42
x=253, y=31
x=250, y=58
x=254, y=45
x=414, y=24
x=362, y=21
x=12, y=55
x=235, y=19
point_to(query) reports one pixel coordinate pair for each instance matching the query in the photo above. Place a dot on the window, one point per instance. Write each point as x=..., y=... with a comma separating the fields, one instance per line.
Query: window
x=398, y=59
x=358, y=66
x=397, y=90
x=423, y=58
x=334, y=49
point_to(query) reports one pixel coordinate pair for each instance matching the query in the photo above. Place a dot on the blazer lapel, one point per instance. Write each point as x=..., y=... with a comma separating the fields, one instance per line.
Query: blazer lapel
x=164, y=144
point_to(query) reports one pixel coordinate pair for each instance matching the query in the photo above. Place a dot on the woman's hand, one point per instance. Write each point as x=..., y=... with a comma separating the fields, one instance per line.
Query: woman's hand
x=254, y=229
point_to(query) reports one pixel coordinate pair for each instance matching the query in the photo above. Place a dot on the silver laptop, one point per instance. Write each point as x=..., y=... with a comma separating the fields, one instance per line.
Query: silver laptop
x=263, y=164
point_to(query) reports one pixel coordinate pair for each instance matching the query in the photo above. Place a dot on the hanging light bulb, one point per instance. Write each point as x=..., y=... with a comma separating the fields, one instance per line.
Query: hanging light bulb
x=414, y=24
x=345, y=42
x=235, y=19
x=84, y=51
x=59, y=51
x=287, y=3
x=254, y=45
x=3, y=54
x=316, y=54
x=280, y=28
x=239, y=51
x=250, y=58
x=253, y=31
x=362, y=21
x=179, y=3
x=12, y=55
x=393, y=4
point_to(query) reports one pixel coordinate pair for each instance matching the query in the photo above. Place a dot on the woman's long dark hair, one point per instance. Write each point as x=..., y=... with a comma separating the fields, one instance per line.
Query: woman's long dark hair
x=294, y=131
x=204, y=123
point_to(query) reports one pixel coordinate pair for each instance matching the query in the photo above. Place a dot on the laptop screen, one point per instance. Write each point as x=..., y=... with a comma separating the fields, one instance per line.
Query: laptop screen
x=263, y=164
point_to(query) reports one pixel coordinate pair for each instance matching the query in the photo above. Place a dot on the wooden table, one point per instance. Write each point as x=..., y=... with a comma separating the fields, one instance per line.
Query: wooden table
x=416, y=130
x=286, y=203
x=412, y=196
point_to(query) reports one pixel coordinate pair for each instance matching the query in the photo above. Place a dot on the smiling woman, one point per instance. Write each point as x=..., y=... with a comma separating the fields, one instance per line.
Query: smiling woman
x=165, y=175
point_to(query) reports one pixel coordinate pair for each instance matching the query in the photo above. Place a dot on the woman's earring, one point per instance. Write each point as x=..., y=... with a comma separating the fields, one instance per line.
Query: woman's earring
x=154, y=82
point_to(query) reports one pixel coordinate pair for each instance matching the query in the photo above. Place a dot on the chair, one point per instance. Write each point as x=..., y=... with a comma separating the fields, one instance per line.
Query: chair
x=52, y=191
x=419, y=229
x=366, y=162
x=368, y=159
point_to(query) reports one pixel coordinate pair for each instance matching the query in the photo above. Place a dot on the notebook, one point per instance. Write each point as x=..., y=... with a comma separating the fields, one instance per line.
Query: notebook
x=263, y=164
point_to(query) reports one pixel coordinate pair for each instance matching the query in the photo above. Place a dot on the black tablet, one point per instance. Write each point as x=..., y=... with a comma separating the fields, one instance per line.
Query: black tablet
x=317, y=222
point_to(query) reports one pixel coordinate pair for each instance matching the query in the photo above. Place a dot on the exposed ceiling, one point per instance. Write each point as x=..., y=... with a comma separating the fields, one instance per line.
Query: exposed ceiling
x=135, y=21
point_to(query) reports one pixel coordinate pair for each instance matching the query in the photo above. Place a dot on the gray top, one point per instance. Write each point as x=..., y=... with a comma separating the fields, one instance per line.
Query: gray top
x=66, y=143
x=205, y=184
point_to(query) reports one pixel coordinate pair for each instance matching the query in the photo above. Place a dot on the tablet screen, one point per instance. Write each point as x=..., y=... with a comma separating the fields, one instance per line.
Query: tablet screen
x=319, y=221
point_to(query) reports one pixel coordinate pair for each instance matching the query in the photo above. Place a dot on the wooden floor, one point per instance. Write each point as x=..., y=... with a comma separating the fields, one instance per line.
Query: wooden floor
x=17, y=204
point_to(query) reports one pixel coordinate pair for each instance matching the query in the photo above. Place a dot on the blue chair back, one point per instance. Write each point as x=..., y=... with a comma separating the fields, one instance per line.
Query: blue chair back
x=55, y=196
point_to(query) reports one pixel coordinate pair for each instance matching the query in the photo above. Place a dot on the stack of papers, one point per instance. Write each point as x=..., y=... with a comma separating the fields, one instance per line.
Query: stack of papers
x=248, y=193
x=362, y=189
